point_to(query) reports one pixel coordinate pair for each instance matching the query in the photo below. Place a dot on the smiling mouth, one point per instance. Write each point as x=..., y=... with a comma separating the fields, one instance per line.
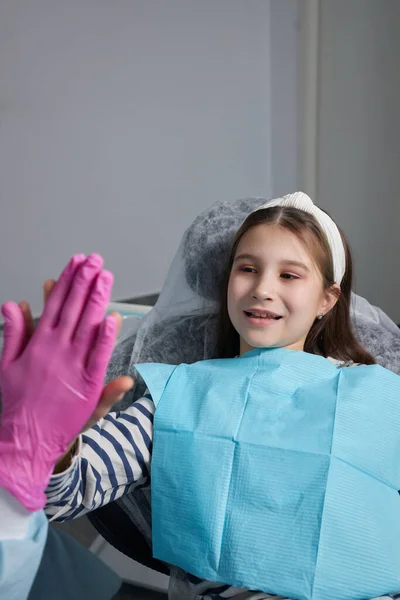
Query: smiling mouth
x=267, y=316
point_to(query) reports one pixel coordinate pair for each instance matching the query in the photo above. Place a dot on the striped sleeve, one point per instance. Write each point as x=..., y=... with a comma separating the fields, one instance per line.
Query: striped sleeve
x=113, y=458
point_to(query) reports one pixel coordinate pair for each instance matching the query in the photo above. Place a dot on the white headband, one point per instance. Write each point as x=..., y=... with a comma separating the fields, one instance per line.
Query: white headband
x=303, y=202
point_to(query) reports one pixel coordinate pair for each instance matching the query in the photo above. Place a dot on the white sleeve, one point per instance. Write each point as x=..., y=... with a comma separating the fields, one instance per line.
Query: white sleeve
x=22, y=538
x=15, y=518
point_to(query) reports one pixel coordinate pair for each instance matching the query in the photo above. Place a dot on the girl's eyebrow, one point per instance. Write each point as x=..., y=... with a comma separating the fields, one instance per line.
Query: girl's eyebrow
x=245, y=257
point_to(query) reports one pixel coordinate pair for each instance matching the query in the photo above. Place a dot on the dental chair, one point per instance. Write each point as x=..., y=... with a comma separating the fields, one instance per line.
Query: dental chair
x=181, y=327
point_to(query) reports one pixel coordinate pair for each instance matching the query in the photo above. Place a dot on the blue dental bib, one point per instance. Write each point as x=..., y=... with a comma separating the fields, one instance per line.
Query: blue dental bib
x=277, y=471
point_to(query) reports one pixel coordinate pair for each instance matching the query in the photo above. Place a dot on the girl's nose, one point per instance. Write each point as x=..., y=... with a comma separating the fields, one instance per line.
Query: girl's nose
x=263, y=291
x=262, y=295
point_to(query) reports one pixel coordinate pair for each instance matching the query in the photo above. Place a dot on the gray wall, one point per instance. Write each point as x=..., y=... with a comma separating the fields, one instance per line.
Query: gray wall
x=120, y=121
x=359, y=138
x=285, y=91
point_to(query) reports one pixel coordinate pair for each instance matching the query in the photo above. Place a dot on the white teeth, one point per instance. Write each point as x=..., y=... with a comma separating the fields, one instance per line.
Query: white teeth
x=260, y=316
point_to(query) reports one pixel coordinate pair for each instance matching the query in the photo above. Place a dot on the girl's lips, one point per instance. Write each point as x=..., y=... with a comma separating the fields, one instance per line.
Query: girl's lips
x=261, y=312
x=261, y=321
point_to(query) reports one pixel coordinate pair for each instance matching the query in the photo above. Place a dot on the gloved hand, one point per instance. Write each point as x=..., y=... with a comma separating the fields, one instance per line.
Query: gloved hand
x=51, y=386
x=112, y=392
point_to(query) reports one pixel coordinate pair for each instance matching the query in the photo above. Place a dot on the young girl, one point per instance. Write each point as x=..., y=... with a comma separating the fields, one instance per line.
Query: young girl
x=288, y=285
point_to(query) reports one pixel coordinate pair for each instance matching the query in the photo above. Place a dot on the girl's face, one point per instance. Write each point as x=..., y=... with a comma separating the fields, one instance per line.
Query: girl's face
x=275, y=290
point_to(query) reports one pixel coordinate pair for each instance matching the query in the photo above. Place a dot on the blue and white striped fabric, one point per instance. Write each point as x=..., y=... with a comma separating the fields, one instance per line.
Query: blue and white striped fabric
x=112, y=459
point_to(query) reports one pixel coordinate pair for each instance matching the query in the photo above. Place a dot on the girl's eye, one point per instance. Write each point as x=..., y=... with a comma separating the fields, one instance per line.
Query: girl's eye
x=288, y=276
x=248, y=269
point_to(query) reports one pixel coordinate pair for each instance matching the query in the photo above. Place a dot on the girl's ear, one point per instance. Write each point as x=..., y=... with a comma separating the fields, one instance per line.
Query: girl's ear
x=331, y=296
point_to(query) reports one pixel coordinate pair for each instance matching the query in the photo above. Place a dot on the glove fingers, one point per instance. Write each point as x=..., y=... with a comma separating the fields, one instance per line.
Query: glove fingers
x=14, y=332
x=79, y=293
x=101, y=352
x=93, y=313
x=28, y=319
x=56, y=302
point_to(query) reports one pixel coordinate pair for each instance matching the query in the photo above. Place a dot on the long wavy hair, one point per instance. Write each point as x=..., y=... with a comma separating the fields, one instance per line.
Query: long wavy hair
x=333, y=335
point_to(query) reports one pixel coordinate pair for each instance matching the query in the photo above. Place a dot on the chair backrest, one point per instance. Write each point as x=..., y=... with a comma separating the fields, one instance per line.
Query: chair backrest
x=192, y=284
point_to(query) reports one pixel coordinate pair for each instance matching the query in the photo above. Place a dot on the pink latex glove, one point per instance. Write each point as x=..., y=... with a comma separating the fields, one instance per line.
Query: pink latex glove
x=51, y=387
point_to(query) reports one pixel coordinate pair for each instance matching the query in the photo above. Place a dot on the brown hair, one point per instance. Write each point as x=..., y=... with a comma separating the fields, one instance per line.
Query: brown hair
x=333, y=335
